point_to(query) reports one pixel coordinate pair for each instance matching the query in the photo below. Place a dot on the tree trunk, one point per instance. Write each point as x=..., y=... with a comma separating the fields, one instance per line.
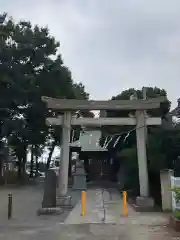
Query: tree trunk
x=1, y=162
x=37, y=166
x=1, y=166
x=50, y=156
x=32, y=161
x=36, y=152
x=19, y=168
x=24, y=160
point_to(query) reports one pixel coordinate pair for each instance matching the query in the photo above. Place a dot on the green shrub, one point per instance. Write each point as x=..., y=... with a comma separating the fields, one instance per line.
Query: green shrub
x=176, y=190
x=177, y=214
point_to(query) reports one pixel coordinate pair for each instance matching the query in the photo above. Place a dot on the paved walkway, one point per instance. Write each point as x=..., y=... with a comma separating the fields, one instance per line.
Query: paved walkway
x=102, y=207
x=105, y=210
x=107, y=207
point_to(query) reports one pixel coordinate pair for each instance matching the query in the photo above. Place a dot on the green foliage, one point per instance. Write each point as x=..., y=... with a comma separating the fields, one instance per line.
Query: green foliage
x=176, y=190
x=163, y=148
x=79, y=91
x=151, y=93
x=156, y=155
x=30, y=68
x=177, y=214
x=128, y=157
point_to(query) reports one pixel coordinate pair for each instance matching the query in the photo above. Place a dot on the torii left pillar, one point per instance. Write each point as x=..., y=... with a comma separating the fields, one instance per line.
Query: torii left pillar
x=64, y=161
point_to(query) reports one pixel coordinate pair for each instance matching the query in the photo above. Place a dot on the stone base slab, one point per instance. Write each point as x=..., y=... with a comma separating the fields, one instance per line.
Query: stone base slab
x=78, y=188
x=49, y=211
x=144, y=204
x=145, y=201
x=64, y=201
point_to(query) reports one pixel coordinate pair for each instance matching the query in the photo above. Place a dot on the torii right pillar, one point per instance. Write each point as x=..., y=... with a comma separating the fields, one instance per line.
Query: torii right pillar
x=144, y=201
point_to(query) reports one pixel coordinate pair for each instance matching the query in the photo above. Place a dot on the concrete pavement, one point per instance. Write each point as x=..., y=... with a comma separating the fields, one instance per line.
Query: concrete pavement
x=107, y=207
x=104, y=219
x=102, y=207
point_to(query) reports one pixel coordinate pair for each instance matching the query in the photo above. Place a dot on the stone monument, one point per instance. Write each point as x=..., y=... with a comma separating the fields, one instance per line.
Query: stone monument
x=49, y=196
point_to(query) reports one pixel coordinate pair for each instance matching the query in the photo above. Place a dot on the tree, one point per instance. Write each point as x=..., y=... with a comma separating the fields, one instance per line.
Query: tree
x=151, y=93
x=125, y=95
x=30, y=68
x=79, y=91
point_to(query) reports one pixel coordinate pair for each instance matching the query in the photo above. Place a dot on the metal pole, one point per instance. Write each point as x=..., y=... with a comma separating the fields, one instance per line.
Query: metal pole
x=9, y=206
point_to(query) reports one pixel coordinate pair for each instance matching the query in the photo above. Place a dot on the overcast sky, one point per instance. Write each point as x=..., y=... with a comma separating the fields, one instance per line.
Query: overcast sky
x=111, y=45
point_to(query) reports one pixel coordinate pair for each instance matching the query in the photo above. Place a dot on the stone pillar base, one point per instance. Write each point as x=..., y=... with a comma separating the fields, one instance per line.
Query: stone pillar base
x=49, y=211
x=144, y=204
x=64, y=201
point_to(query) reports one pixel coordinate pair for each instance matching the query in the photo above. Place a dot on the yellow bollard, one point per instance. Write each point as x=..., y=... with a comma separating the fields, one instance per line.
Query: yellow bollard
x=125, y=203
x=83, y=203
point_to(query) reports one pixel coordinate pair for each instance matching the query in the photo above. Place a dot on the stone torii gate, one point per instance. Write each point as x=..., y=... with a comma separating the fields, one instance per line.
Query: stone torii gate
x=139, y=120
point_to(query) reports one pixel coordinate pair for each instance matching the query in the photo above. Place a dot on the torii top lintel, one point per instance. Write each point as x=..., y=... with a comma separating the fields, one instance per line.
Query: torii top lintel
x=74, y=104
